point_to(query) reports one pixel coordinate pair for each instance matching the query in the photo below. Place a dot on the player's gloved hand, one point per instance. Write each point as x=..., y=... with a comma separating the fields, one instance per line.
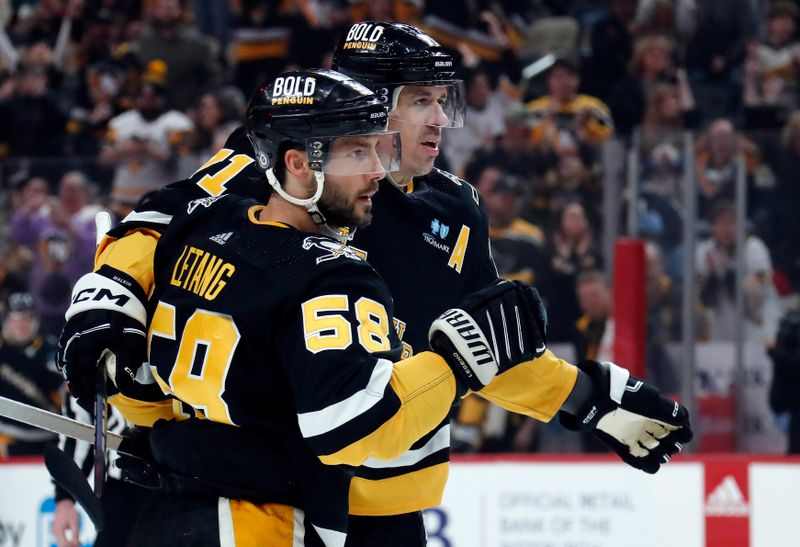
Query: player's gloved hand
x=491, y=331
x=105, y=327
x=141, y=469
x=630, y=416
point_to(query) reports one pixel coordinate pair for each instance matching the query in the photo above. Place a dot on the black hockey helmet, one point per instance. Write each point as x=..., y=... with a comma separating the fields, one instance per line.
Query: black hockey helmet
x=388, y=56
x=339, y=123
x=310, y=109
x=20, y=321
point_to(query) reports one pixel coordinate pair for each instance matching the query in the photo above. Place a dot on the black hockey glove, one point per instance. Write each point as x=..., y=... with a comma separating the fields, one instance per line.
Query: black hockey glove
x=631, y=417
x=491, y=331
x=105, y=327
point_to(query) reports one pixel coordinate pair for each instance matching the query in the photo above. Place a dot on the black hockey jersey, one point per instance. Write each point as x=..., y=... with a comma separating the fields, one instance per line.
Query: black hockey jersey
x=28, y=374
x=258, y=325
x=431, y=245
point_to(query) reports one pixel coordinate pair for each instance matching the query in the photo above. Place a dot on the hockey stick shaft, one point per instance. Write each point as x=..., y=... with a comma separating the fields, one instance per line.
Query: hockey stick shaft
x=56, y=423
x=102, y=222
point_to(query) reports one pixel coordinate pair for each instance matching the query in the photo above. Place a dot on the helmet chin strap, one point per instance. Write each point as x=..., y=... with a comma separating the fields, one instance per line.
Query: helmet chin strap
x=343, y=233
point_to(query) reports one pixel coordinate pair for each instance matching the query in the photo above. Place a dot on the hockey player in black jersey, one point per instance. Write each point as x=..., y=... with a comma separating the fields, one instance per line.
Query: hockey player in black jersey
x=263, y=318
x=429, y=241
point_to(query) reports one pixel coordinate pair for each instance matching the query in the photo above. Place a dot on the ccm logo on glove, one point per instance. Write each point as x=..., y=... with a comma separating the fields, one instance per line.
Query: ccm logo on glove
x=86, y=294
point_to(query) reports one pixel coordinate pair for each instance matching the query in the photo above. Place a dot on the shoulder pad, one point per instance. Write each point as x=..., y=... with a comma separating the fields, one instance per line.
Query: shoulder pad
x=451, y=184
x=327, y=249
x=232, y=169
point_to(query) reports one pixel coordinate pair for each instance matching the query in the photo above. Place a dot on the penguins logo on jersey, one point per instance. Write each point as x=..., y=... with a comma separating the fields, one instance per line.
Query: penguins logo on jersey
x=205, y=202
x=333, y=248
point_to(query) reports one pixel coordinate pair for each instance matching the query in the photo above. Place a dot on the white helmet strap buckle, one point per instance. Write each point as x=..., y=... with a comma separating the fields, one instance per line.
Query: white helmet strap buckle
x=342, y=234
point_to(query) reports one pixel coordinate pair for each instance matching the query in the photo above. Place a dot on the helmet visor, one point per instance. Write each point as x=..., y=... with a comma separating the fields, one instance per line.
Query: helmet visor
x=437, y=103
x=355, y=154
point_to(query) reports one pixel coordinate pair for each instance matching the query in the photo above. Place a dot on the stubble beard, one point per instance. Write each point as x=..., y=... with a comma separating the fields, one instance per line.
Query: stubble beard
x=337, y=211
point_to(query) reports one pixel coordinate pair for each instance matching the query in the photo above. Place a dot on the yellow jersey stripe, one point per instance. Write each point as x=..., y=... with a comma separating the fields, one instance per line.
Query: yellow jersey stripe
x=413, y=491
x=535, y=388
x=142, y=413
x=426, y=388
x=132, y=254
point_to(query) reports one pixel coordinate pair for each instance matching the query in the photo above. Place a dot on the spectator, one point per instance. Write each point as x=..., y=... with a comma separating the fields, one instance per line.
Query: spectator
x=190, y=65
x=214, y=20
x=218, y=115
x=32, y=203
x=715, y=263
x=717, y=152
x=483, y=124
x=663, y=320
x=62, y=235
x=715, y=56
x=261, y=40
x=780, y=223
x=403, y=11
x=31, y=121
x=95, y=105
x=570, y=250
x=770, y=89
x=675, y=18
x=786, y=378
x=594, y=329
x=517, y=245
x=568, y=180
x=27, y=374
x=513, y=151
x=651, y=64
x=612, y=46
x=669, y=110
x=660, y=220
x=144, y=142
x=564, y=121
x=593, y=338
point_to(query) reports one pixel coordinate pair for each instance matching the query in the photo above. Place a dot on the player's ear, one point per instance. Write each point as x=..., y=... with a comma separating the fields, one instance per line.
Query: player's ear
x=297, y=163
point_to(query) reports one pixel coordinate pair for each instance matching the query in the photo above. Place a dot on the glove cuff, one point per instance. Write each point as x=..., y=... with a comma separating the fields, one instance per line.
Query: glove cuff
x=608, y=386
x=467, y=351
x=108, y=289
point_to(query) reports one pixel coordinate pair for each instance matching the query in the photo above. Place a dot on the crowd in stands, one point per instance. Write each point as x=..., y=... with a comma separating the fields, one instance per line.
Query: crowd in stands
x=103, y=101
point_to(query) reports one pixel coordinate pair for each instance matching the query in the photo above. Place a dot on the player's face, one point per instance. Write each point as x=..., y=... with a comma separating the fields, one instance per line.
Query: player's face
x=347, y=199
x=19, y=327
x=419, y=118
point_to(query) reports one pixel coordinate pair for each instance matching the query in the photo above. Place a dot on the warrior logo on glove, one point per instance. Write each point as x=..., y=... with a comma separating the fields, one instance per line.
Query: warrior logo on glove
x=493, y=330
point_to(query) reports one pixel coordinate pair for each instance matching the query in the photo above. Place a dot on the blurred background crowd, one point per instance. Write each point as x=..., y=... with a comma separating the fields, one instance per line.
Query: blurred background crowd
x=103, y=101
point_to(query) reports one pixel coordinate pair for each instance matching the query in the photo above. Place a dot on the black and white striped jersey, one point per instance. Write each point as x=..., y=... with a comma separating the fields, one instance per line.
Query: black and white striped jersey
x=83, y=452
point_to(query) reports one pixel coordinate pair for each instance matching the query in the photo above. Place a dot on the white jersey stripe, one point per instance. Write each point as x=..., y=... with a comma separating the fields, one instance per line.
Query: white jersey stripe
x=331, y=538
x=299, y=529
x=148, y=216
x=439, y=441
x=225, y=517
x=335, y=415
